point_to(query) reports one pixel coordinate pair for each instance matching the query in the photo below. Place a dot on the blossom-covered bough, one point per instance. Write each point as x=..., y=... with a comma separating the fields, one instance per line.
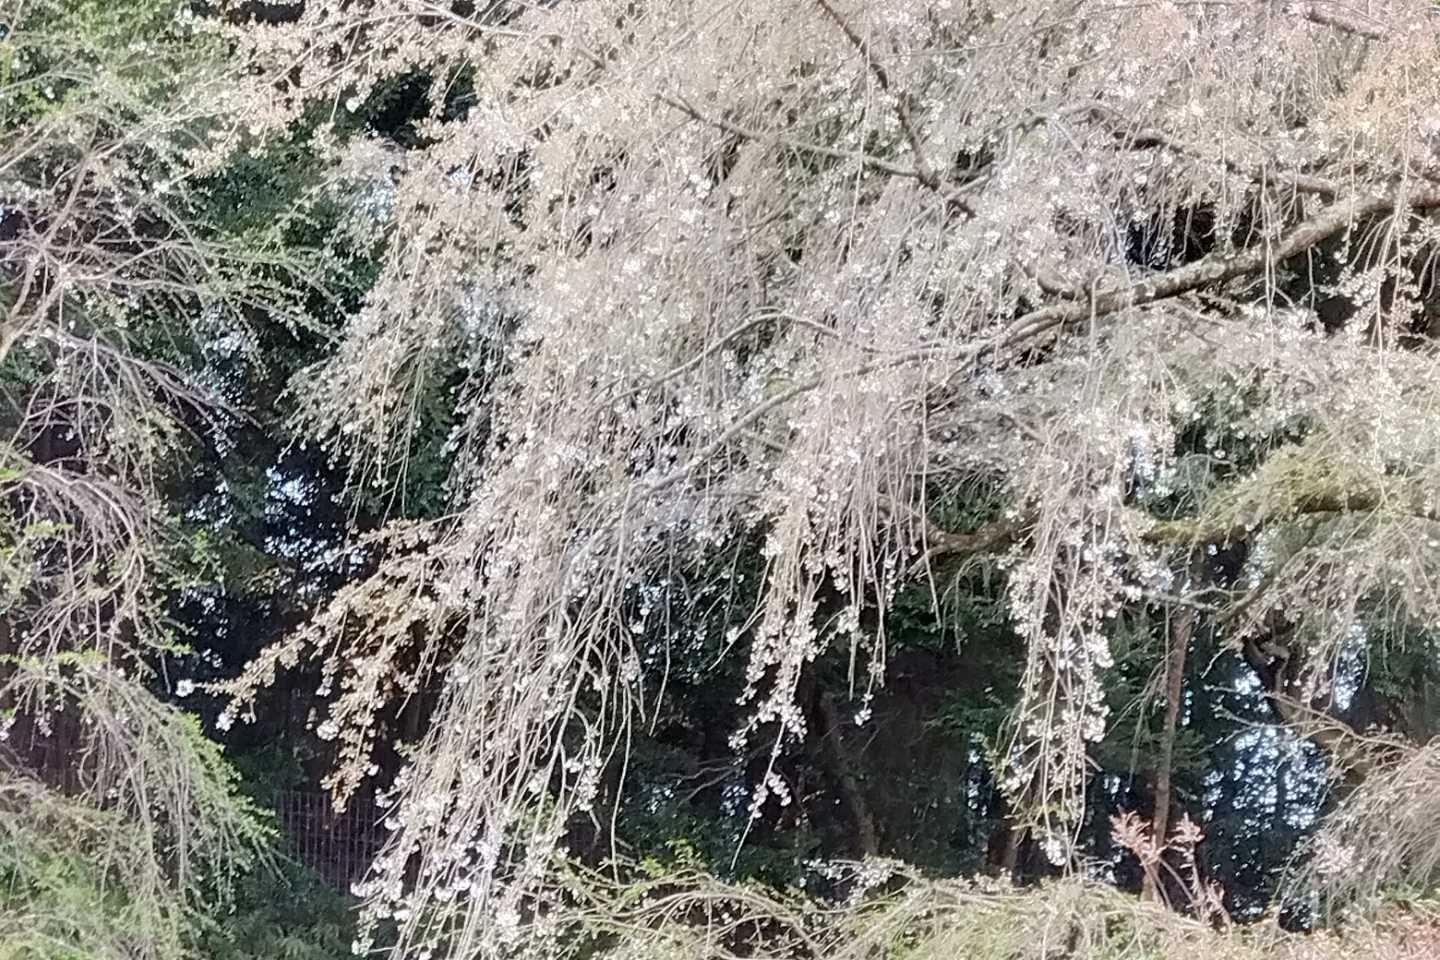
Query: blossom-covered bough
x=786, y=270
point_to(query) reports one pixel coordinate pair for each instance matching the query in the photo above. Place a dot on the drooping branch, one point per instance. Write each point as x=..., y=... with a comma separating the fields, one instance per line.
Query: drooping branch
x=1217, y=268
x=583, y=500
x=925, y=172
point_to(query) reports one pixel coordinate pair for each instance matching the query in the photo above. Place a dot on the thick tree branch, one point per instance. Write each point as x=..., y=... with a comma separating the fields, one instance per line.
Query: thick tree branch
x=1151, y=138
x=1338, y=500
x=878, y=164
x=991, y=536
x=1345, y=23
x=1182, y=533
x=1334, y=219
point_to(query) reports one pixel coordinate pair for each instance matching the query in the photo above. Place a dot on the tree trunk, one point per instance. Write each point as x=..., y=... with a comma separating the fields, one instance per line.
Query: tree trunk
x=1177, y=639
x=1276, y=666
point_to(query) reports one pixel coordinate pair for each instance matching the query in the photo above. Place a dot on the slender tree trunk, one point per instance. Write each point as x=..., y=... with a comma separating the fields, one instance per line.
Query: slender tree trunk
x=1177, y=641
x=1010, y=859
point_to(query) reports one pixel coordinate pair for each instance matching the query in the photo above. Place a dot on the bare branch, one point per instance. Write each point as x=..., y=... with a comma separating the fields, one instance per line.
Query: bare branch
x=1327, y=15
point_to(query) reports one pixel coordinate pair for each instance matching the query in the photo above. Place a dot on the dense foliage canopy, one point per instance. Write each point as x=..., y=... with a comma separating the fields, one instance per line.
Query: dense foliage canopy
x=660, y=450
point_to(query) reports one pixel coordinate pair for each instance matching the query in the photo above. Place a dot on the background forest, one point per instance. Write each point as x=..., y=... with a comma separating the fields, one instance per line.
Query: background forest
x=764, y=479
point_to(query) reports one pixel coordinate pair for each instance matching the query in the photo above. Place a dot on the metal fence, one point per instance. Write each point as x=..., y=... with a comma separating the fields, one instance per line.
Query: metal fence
x=337, y=846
